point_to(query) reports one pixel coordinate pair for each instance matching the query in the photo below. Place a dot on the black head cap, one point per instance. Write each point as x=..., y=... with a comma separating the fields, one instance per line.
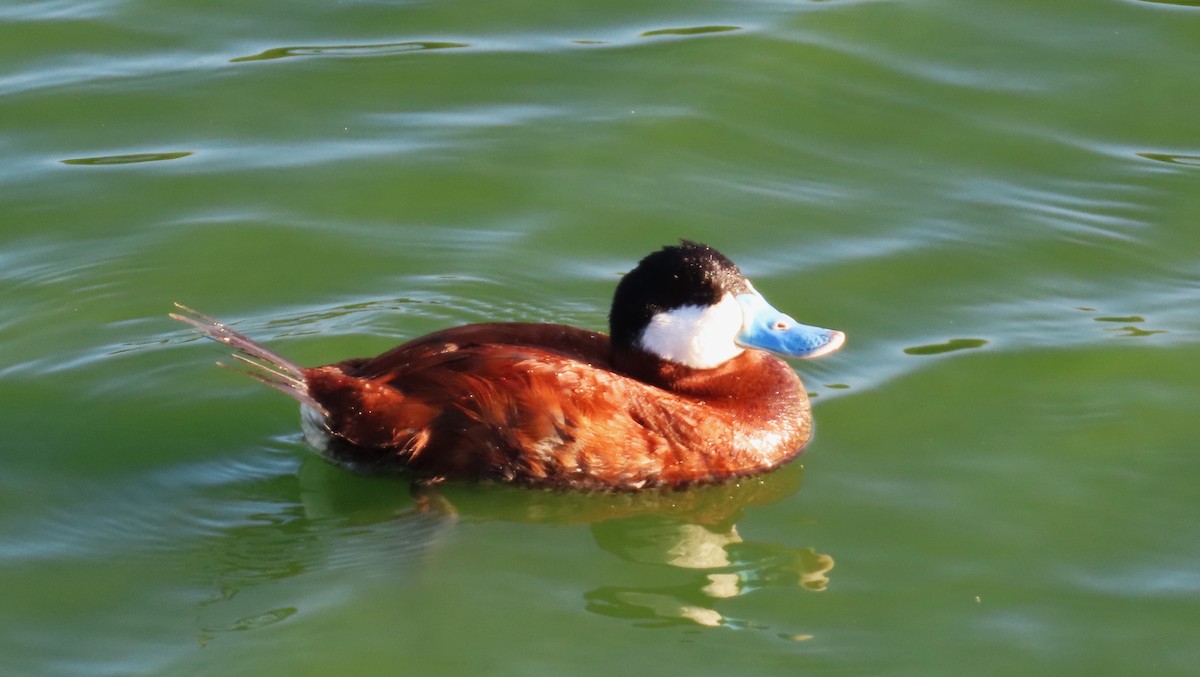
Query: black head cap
x=691, y=274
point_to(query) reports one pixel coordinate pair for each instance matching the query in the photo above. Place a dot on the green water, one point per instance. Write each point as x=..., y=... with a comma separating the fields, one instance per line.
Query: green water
x=997, y=201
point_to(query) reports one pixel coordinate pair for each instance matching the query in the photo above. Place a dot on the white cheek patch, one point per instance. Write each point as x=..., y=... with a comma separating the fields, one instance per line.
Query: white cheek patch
x=700, y=337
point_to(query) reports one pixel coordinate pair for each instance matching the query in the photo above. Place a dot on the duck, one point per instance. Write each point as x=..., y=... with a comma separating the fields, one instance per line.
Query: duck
x=688, y=387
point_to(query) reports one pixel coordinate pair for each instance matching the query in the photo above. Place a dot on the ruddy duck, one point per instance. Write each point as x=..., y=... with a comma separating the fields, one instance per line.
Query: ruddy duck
x=684, y=390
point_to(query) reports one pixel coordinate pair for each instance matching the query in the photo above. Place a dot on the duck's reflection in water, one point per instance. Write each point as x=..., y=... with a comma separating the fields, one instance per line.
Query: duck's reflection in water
x=693, y=534
x=718, y=562
x=691, y=537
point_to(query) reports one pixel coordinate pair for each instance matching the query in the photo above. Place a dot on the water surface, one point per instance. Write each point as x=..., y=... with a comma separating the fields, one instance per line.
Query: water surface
x=995, y=200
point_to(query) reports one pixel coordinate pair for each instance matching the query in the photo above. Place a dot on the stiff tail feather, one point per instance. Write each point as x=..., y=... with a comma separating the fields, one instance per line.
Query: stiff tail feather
x=258, y=362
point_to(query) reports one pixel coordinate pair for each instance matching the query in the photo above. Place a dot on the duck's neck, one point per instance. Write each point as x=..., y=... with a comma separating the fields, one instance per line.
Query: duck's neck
x=742, y=376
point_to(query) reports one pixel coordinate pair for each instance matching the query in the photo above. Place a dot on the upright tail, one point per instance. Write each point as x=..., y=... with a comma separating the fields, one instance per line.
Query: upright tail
x=262, y=364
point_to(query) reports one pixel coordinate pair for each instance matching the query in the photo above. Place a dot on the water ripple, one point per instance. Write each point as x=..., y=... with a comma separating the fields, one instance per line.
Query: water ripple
x=386, y=49
x=528, y=43
x=132, y=513
x=74, y=70
x=694, y=30
x=948, y=347
x=1185, y=160
x=56, y=10
x=132, y=158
